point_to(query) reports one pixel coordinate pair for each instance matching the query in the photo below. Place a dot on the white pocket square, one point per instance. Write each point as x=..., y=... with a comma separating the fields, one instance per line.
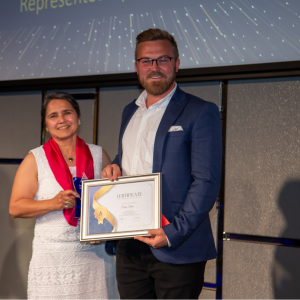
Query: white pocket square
x=175, y=128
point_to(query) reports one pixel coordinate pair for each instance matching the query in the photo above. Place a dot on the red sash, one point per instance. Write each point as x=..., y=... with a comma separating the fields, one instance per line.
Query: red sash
x=61, y=171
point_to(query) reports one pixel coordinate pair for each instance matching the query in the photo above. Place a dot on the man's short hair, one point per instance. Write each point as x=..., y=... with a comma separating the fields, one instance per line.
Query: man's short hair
x=156, y=34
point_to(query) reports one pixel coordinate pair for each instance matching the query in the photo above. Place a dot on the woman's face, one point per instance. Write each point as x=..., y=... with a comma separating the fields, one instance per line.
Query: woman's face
x=61, y=119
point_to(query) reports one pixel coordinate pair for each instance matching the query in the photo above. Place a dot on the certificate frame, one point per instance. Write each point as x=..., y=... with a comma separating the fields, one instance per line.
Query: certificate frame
x=88, y=186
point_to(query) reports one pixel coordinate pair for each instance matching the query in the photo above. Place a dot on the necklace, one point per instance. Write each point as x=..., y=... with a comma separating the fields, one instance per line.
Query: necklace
x=69, y=158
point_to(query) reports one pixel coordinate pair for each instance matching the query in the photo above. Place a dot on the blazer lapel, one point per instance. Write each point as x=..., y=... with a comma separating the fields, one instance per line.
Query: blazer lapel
x=173, y=110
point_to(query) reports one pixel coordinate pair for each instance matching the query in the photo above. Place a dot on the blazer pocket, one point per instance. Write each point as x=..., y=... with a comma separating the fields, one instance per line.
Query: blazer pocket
x=175, y=206
x=176, y=134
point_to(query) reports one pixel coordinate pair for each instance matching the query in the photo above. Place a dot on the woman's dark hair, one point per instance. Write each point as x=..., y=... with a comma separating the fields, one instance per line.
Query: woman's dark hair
x=57, y=95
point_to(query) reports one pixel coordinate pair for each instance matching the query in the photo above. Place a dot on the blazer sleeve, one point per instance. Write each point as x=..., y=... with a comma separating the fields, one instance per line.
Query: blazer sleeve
x=206, y=165
x=125, y=113
x=117, y=161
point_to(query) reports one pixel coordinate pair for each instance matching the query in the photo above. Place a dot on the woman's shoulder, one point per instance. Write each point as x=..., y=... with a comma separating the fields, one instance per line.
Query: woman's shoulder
x=39, y=155
x=96, y=151
x=29, y=163
x=37, y=149
x=94, y=147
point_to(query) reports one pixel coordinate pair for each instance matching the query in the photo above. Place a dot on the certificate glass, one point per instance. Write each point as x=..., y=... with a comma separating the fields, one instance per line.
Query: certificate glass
x=124, y=208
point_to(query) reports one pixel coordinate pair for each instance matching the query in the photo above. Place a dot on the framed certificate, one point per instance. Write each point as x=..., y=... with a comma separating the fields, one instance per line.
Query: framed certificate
x=124, y=208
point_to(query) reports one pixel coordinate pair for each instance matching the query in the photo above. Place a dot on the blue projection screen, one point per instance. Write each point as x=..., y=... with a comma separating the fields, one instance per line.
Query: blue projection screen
x=57, y=38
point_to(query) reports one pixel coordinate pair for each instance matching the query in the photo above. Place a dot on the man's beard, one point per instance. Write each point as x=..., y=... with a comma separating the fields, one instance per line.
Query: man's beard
x=157, y=87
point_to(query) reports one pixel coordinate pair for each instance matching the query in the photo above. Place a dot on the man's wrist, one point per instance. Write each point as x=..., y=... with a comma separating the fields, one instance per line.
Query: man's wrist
x=169, y=244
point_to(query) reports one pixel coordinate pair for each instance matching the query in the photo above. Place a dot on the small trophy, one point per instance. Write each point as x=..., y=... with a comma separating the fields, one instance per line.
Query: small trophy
x=77, y=185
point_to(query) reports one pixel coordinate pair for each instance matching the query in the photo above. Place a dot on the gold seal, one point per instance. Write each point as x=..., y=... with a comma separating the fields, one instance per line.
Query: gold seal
x=100, y=213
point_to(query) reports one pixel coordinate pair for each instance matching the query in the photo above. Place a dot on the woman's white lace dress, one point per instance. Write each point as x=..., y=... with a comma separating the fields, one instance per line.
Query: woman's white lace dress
x=62, y=268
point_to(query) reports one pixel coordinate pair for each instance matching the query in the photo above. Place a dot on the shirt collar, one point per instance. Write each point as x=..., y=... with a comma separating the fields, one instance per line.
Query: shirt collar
x=162, y=103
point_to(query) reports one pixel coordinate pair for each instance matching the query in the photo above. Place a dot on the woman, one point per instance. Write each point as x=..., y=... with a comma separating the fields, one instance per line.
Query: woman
x=61, y=268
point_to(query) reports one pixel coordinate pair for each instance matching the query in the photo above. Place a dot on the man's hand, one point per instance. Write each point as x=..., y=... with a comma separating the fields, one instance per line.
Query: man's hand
x=112, y=172
x=158, y=238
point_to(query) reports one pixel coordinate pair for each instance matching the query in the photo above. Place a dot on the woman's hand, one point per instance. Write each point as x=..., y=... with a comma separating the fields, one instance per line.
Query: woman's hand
x=64, y=200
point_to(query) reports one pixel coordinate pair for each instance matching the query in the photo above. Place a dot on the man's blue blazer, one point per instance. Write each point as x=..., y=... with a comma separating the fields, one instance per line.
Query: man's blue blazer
x=190, y=162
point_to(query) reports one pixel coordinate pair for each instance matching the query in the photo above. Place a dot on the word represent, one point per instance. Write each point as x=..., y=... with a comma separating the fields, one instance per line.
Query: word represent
x=38, y=5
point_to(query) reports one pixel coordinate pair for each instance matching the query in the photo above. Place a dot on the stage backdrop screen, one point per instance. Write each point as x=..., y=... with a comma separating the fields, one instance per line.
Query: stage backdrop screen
x=57, y=38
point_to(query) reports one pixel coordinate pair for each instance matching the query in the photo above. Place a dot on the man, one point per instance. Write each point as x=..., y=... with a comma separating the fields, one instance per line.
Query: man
x=166, y=130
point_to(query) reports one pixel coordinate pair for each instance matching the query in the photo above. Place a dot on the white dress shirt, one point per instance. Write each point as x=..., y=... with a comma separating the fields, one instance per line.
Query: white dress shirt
x=138, y=139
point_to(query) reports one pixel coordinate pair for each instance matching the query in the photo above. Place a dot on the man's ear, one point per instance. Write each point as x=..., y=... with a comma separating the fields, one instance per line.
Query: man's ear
x=136, y=68
x=177, y=64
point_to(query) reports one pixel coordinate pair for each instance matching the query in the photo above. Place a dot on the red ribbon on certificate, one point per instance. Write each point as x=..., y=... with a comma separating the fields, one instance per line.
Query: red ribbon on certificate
x=164, y=221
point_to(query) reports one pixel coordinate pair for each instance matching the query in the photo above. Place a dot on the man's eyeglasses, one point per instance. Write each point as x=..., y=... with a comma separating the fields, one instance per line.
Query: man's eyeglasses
x=161, y=61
